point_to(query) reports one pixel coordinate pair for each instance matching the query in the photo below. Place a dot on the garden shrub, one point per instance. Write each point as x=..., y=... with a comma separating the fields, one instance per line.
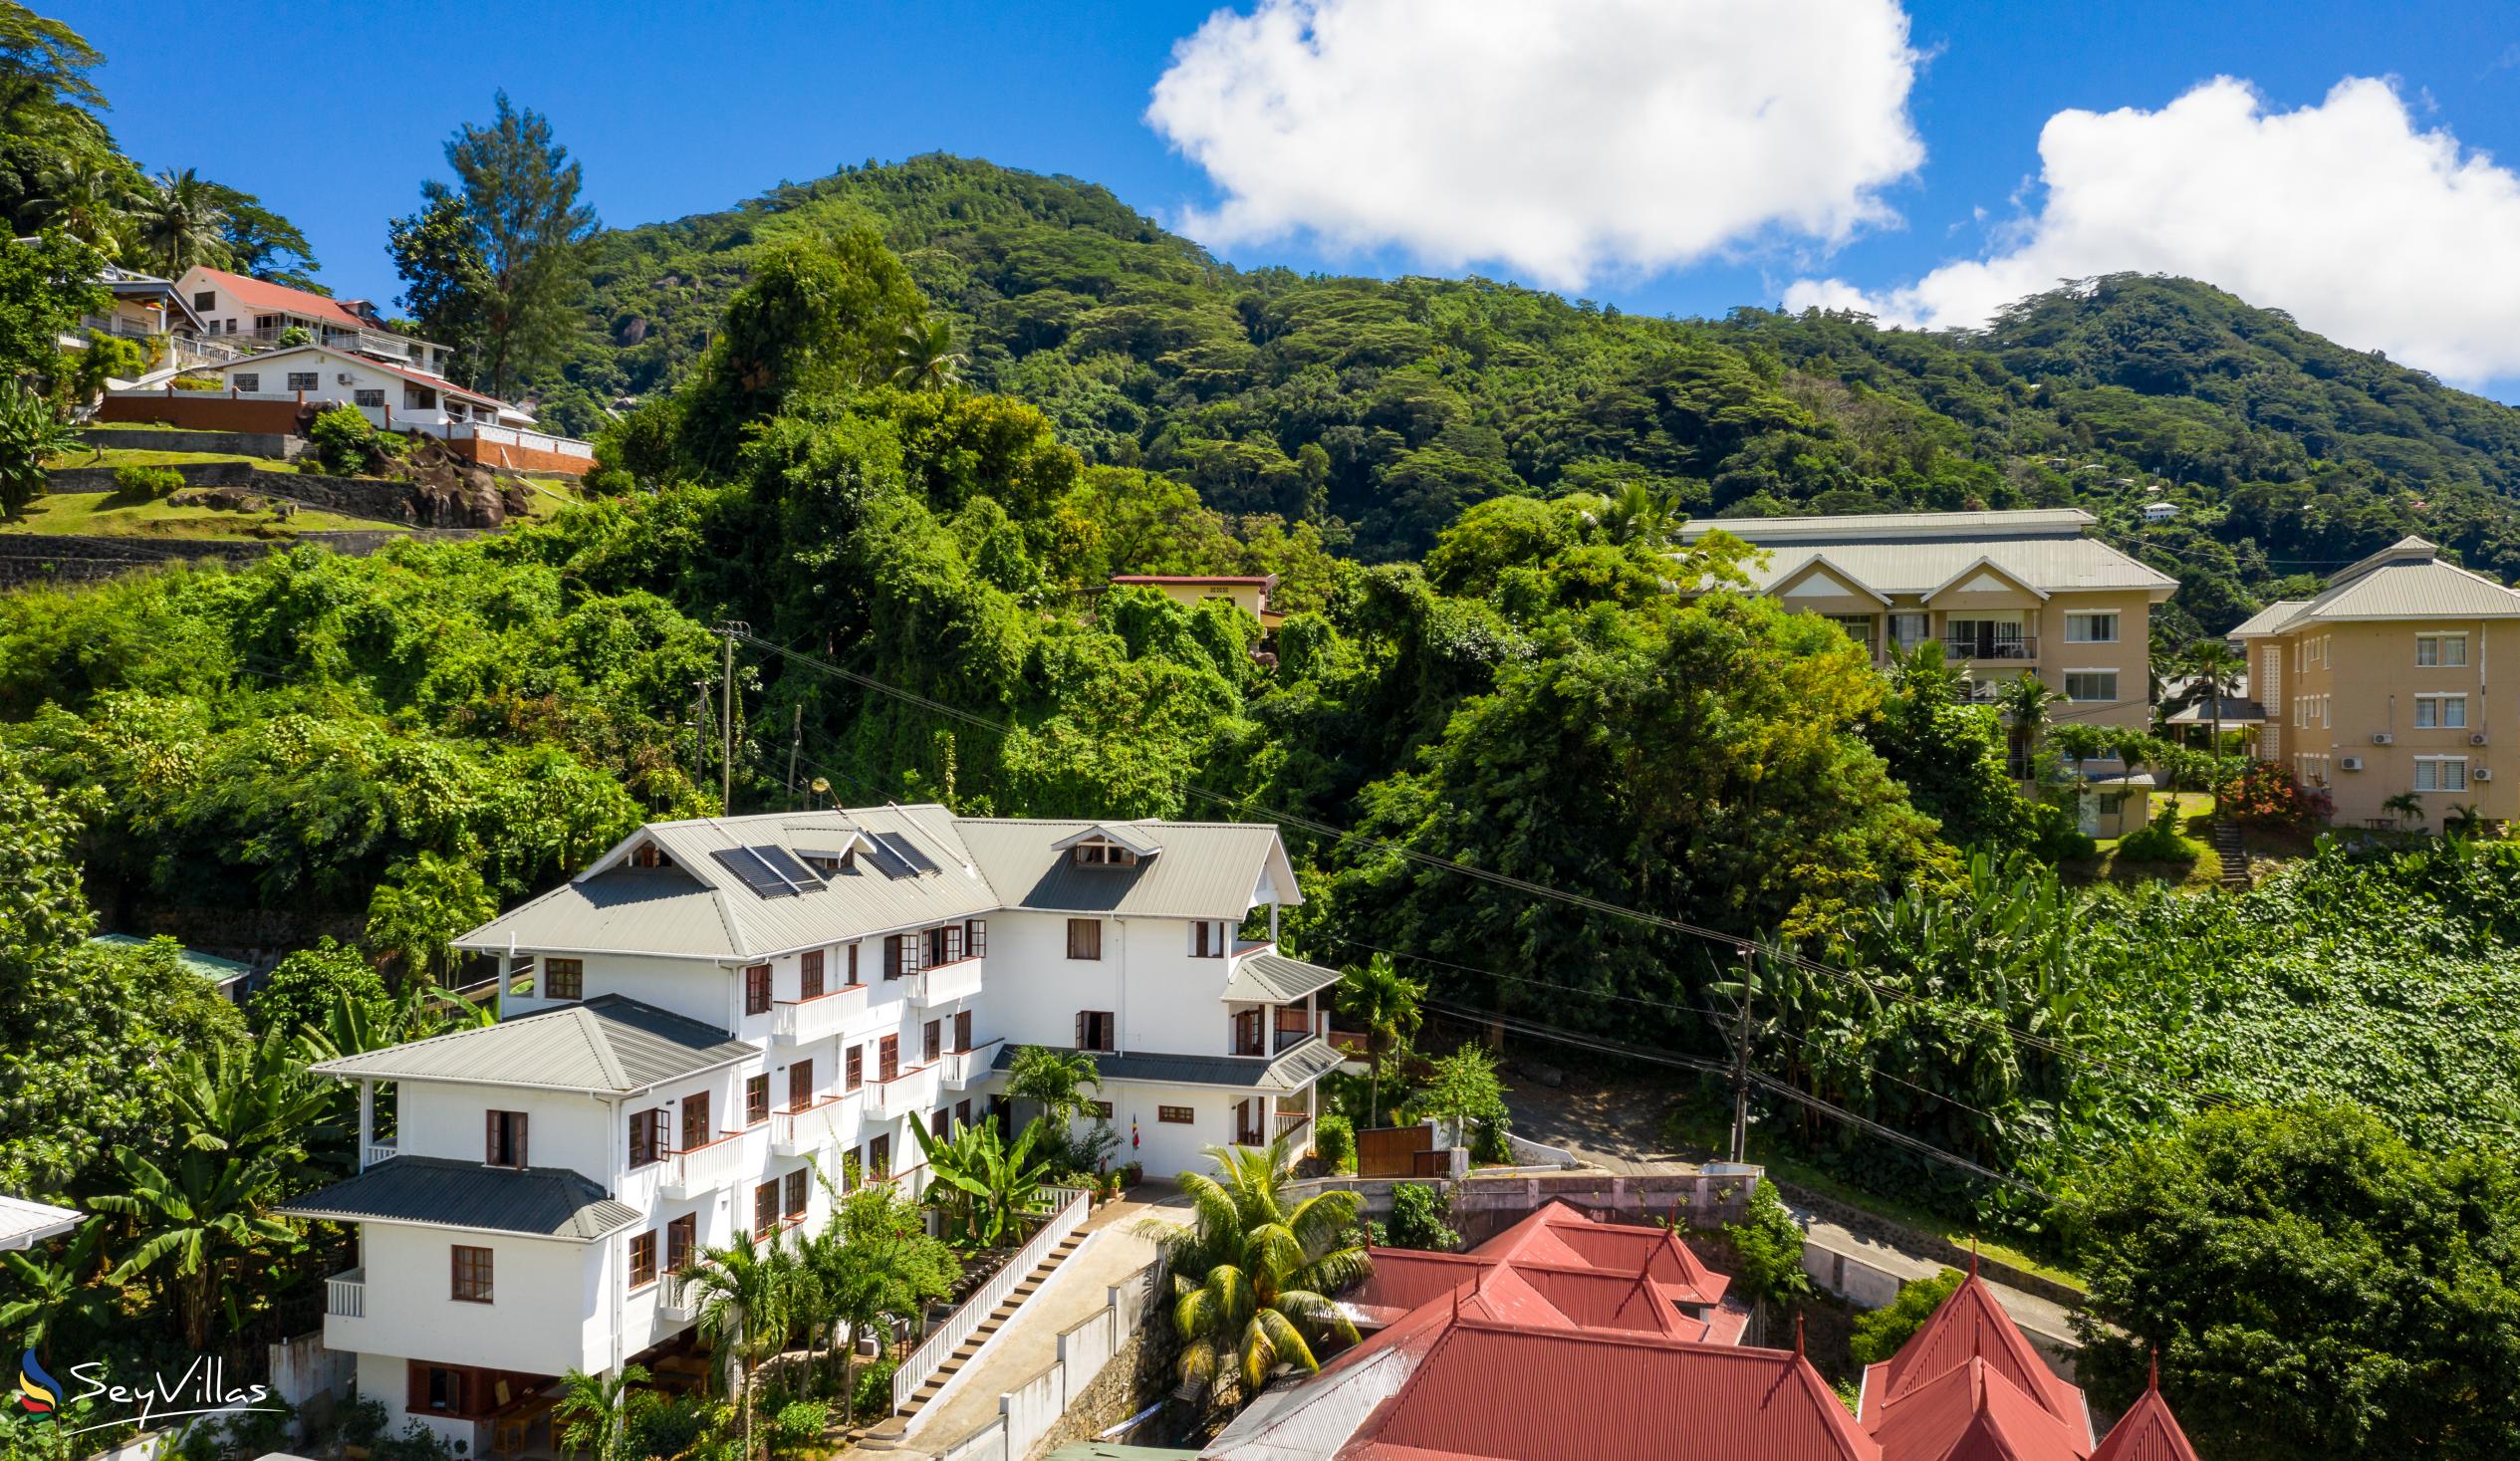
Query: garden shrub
x=146, y=484
x=1334, y=1141
x=2056, y=839
x=874, y=1392
x=1879, y=1333
x=200, y=382
x=2158, y=841
x=796, y=1426
x=345, y=441
x=1767, y=1247
x=2265, y=794
x=1417, y=1219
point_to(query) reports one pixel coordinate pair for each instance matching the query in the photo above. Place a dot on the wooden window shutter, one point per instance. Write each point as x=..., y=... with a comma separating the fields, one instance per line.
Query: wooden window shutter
x=490, y=1139
x=1080, y=1029
x=521, y=1124
x=415, y=1387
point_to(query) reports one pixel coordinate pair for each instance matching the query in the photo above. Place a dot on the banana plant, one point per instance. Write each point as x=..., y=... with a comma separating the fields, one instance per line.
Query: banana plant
x=980, y=1185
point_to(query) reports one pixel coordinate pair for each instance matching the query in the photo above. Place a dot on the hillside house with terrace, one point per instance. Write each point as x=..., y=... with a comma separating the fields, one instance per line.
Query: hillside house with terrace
x=255, y=313
x=717, y=1010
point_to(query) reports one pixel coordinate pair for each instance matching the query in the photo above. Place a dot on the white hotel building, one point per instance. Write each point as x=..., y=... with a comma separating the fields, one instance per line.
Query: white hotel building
x=716, y=1005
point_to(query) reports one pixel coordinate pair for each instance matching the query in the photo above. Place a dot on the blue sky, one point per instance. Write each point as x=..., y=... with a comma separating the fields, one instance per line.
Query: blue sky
x=675, y=112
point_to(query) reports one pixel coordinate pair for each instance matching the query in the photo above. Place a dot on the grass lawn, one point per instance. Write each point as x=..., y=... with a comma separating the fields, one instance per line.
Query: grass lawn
x=134, y=456
x=103, y=514
x=2195, y=824
x=1708, y=1130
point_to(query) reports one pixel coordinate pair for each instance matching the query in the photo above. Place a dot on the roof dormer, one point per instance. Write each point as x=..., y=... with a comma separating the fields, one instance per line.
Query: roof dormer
x=1108, y=845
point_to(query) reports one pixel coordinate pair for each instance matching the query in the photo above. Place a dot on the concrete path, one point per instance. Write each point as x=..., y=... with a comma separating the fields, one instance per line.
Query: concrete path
x=1619, y=1129
x=1029, y=1342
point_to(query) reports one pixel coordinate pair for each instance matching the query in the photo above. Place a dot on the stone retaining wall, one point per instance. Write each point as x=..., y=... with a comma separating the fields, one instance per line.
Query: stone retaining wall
x=278, y=446
x=55, y=559
x=194, y=474
x=1926, y=1246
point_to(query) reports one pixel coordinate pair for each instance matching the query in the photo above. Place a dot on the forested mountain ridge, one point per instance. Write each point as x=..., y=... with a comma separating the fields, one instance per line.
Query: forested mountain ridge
x=1380, y=409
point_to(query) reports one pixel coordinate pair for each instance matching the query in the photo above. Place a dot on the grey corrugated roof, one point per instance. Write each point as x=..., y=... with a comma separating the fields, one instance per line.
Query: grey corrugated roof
x=539, y=1202
x=1852, y=527
x=1207, y=869
x=1913, y=554
x=1305, y=1063
x=611, y=1044
x=2405, y=579
x=2267, y=621
x=1276, y=979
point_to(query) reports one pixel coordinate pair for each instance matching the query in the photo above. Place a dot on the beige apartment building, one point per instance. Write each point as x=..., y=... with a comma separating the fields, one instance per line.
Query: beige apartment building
x=2381, y=685
x=2004, y=593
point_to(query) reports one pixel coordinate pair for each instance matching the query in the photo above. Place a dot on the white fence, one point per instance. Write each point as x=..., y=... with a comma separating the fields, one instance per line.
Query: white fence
x=1026, y=1413
x=946, y=1338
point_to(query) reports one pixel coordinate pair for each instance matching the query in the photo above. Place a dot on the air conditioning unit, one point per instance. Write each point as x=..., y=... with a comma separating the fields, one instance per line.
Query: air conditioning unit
x=2349, y=763
x=2382, y=738
x=2476, y=738
x=2482, y=773
x=343, y=379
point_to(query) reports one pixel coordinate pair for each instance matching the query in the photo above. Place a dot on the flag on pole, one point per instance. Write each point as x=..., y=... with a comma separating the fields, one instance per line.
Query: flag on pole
x=1133, y=1131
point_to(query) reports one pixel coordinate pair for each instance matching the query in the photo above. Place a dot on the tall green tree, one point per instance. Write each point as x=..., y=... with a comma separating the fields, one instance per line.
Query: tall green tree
x=872, y=1264
x=1388, y=1007
x=746, y=1294
x=446, y=282
x=184, y=221
x=593, y=1410
x=46, y=283
x=982, y=1185
x=519, y=194
x=48, y=107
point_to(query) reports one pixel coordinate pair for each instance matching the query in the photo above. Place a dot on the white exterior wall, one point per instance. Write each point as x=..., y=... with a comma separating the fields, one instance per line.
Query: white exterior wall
x=1169, y=1150
x=1162, y=999
x=548, y=1308
x=271, y=372
x=447, y=1121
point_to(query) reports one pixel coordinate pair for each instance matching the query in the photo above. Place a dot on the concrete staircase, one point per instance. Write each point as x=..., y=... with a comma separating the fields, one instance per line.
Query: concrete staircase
x=888, y=1435
x=2234, y=854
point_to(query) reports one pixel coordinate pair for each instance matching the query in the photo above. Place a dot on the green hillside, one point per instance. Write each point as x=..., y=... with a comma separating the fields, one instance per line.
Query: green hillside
x=1380, y=410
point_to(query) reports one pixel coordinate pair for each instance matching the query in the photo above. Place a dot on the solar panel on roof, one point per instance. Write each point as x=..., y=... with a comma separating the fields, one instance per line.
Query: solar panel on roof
x=905, y=849
x=890, y=863
x=771, y=872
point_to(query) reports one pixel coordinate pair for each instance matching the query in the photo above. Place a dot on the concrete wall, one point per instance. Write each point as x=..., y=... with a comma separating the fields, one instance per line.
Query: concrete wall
x=275, y=445
x=1483, y=1206
x=1162, y=999
x=1082, y=1391
x=549, y=1306
x=518, y=457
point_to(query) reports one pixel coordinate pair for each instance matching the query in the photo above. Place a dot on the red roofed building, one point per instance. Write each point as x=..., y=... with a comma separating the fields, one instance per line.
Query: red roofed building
x=248, y=312
x=1564, y=1339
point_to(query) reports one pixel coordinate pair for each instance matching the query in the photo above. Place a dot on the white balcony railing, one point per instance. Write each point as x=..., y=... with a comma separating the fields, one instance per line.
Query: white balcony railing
x=961, y=1068
x=705, y=1168
x=346, y=1293
x=818, y=1127
x=379, y=1151
x=799, y=1021
x=676, y=1301
x=942, y=984
x=912, y=1090
x=940, y=1342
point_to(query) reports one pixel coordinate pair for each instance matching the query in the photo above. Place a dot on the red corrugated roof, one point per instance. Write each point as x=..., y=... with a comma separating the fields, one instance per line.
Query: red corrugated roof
x=2149, y=1432
x=1972, y=1325
x=1974, y=1412
x=1538, y=1395
x=259, y=293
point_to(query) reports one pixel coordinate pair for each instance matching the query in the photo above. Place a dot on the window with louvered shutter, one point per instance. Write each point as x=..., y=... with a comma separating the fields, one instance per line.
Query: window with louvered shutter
x=765, y=1209
x=809, y=975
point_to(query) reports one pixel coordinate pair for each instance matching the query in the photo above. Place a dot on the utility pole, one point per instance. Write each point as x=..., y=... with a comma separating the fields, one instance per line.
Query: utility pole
x=699, y=728
x=727, y=630
x=1741, y=1060
x=796, y=743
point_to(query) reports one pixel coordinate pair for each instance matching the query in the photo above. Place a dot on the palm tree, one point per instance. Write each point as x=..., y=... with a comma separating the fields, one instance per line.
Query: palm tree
x=1638, y=516
x=980, y=1185
x=1053, y=1080
x=85, y=197
x=2406, y=805
x=1385, y=1007
x=1924, y=674
x=871, y=1265
x=747, y=1304
x=2213, y=669
x=595, y=1409
x=181, y=221
x=55, y=1291
x=1252, y=1281
x=926, y=357
x=2025, y=703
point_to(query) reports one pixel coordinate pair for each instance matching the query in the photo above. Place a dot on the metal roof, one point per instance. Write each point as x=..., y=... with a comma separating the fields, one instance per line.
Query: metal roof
x=24, y=1224
x=208, y=966
x=1915, y=554
x=1207, y=869
x=1275, y=979
x=1293, y=1071
x=2146, y=1432
x=2405, y=579
x=537, y=1202
x=611, y=1044
x=1971, y=1324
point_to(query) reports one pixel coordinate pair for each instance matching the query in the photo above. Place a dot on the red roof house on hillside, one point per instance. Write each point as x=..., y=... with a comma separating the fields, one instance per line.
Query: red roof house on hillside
x=1564, y=1339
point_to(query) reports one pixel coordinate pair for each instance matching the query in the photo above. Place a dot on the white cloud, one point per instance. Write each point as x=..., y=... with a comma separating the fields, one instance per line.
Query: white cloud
x=1563, y=139
x=2366, y=229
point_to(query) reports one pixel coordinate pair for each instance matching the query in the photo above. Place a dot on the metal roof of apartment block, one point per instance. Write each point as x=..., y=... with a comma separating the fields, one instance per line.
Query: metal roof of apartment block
x=611, y=1044
x=1293, y=1071
x=1916, y=554
x=725, y=897
x=535, y=1202
x=2405, y=579
x=1275, y=979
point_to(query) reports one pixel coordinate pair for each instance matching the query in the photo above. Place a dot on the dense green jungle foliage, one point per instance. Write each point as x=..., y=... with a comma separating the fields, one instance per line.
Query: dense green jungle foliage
x=1379, y=410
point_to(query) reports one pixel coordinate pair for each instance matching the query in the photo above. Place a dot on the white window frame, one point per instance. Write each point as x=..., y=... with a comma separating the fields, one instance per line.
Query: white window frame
x=2089, y=618
x=2109, y=699
x=2454, y=766
x=2429, y=708
x=2440, y=643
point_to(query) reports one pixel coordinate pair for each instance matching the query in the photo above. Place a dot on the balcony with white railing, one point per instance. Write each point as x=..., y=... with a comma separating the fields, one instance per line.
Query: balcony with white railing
x=346, y=1293
x=911, y=1092
x=942, y=984
x=676, y=1301
x=710, y=1167
x=797, y=1022
x=828, y=1123
x=961, y=1069
x=379, y=1151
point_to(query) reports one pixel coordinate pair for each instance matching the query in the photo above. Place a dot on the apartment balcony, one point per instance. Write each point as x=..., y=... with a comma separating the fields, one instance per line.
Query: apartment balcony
x=676, y=1302
x=710, y=1167
x=911, y=1092
x=961, y=1070
x=1982, y=647
x=346, y=1293
x=826, y=1124
x=797, y=1022
x=942, y=984
x=379, y=1152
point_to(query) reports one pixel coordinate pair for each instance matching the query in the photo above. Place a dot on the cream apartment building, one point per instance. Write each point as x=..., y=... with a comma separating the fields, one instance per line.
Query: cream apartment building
x=2382, y=684
x=2003, y=592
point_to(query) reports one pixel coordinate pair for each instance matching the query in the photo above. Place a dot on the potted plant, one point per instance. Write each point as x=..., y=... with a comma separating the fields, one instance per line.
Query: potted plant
x=1132, y=1174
